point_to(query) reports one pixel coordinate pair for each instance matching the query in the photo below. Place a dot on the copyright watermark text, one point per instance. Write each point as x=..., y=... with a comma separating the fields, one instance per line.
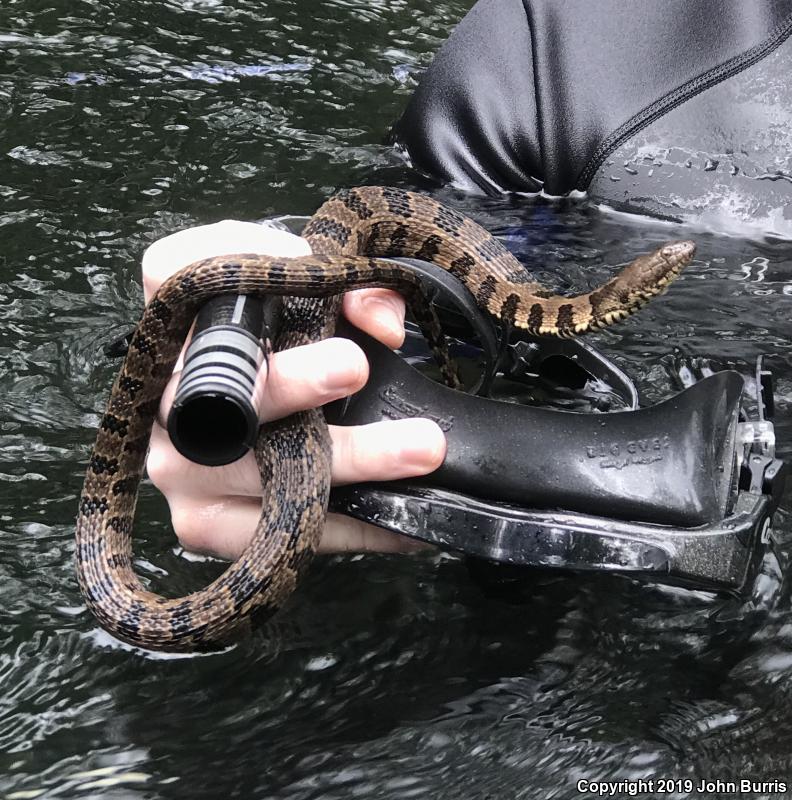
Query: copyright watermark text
x=679, y=786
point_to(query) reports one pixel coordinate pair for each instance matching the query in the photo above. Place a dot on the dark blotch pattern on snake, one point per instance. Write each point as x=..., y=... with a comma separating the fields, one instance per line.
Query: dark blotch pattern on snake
x=346, y=234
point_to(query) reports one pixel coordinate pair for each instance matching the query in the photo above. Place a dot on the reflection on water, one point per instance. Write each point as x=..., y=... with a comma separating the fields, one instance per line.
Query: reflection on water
x=394, y=677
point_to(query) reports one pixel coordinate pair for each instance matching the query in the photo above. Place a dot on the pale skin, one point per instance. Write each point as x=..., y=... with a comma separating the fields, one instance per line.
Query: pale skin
x=214, y=510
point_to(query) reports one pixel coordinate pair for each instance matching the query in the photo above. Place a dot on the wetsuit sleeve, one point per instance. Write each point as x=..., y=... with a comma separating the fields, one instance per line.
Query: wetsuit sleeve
x=530, y=94
x=473, y=118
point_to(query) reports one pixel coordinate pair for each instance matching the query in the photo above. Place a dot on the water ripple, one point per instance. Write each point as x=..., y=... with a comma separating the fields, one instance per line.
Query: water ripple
x=387, y=677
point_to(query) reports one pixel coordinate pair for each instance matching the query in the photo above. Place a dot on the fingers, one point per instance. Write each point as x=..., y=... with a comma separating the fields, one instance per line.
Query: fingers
x=386, y=451
x=300, y=378
x=345, y=535
x=312, y=375
x=223, y=530
x=378, y=312
x=382, y=451
x=215, y=510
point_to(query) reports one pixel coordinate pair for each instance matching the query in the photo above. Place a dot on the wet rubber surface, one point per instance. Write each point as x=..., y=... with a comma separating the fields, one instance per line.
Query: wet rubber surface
x=385, y=676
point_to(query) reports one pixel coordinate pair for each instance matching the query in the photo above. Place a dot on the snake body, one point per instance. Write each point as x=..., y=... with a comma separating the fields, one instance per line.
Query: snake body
x=347, y=234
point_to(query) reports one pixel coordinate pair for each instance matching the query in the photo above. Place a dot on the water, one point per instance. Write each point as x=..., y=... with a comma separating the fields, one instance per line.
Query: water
x=385, y=676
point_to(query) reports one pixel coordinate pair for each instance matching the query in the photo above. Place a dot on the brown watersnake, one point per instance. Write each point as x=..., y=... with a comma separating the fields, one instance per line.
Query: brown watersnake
x=349, y=235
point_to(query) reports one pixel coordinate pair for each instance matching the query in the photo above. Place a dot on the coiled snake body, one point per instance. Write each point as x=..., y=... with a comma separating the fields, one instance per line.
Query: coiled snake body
x=346, y=234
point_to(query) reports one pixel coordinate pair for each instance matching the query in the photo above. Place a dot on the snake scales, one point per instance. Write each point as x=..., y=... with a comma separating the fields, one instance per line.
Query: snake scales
x=293, y=455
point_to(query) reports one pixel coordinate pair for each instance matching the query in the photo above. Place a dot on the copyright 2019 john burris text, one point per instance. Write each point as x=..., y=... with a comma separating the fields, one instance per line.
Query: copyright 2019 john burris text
x=696, y=787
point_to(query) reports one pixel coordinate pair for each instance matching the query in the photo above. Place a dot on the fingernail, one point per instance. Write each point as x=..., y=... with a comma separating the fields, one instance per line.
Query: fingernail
x=335, y=380
x=425, y=446
x=387, y=312
x=340, y=377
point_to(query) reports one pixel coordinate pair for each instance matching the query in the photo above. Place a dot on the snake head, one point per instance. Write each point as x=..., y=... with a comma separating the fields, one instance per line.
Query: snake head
x=651, y=274
x=678, y=253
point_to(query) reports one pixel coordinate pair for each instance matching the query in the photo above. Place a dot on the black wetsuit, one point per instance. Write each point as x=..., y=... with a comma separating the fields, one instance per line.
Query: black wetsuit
x=674, y=108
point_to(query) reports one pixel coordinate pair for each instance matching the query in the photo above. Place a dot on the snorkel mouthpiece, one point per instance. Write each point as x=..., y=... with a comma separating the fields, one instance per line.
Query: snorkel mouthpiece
x=214, y=419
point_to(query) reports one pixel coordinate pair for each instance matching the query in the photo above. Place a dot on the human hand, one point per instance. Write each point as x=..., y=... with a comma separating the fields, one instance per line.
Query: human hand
x=214, y=510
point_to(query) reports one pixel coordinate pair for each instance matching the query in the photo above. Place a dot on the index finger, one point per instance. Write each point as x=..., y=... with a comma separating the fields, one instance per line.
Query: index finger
x=377, y=312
